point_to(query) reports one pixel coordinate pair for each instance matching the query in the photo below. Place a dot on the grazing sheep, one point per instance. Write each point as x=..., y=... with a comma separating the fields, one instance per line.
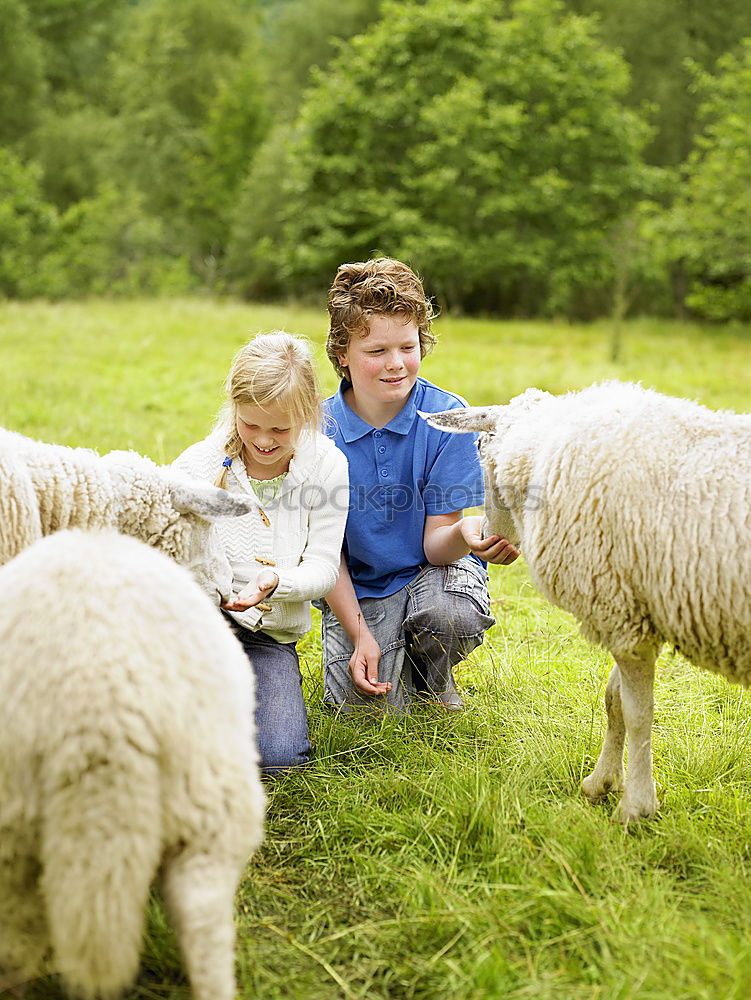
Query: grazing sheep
x=634, y=512
x=47, y=487
x=126, y=749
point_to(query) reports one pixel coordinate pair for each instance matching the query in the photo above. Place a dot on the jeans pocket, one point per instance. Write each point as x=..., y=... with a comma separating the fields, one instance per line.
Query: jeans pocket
x=468, y=578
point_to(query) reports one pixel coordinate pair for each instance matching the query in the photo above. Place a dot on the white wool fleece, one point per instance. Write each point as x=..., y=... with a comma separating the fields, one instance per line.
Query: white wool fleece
x=47, y=487
x=127, y=749
x=634, y=512
x=638, y=517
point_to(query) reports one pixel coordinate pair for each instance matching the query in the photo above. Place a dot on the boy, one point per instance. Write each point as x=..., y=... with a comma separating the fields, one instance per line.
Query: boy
x=411, y=598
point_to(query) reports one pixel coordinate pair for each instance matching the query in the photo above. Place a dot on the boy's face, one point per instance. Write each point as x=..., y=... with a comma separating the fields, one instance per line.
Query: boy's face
x=384, y=363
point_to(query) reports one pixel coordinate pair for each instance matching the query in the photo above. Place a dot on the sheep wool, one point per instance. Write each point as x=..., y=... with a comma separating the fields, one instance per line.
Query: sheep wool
x=633, y=510
x=47, y=487
x=127, y=748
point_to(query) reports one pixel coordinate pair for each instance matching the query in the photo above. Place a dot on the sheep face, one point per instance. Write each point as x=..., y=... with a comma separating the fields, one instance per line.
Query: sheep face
x=508, y=492
x=174, y=514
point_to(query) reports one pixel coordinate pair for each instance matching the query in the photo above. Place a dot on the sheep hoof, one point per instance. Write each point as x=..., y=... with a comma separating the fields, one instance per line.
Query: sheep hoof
x=631, y=811
x=596, y=788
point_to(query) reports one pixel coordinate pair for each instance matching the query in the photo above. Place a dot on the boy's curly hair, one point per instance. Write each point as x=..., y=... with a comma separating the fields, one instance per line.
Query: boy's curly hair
x=379, y=287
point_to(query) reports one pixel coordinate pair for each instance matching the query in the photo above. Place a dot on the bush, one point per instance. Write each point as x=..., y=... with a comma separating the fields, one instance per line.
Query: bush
x=27, y=223
x=710, y=224
x=108, y=245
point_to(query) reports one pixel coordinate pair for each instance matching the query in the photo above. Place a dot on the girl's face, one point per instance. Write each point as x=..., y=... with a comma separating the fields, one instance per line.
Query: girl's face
x=383, y=365
x=268, y=439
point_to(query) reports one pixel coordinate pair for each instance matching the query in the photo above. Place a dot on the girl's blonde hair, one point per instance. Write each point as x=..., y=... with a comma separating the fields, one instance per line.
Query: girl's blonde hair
x=273, y=368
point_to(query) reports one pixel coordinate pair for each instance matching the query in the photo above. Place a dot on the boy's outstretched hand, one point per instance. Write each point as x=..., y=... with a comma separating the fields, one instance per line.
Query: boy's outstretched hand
x=363, y=667
x=493, y=549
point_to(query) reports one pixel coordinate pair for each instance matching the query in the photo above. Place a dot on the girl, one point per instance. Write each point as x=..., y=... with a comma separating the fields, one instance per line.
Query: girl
x=267, y=443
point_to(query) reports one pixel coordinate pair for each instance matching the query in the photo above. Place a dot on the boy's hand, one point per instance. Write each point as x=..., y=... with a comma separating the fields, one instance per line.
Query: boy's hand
x=266, y=582
x=493, y=549
x=363, y=667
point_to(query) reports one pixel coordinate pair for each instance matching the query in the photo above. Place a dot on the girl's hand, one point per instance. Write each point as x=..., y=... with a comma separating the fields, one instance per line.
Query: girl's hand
x=363, y=667
x=493, y=549
x=265, y=584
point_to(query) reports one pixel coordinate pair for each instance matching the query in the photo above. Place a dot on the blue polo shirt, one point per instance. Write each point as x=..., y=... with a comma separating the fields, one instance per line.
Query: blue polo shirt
x=398, y=474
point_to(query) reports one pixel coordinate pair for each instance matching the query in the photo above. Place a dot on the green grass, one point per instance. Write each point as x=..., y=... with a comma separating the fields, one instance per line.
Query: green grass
x=447, y=858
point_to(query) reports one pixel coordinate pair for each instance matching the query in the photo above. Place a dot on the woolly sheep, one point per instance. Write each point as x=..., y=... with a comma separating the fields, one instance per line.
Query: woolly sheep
x=632, y=509
x=46, y=487
x=126, y=748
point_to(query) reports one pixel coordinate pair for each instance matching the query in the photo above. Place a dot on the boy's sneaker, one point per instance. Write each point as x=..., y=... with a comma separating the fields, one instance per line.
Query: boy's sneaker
x=449, y=700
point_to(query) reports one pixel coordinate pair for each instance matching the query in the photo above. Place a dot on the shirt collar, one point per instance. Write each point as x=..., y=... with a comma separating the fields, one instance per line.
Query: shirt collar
x=353, y=427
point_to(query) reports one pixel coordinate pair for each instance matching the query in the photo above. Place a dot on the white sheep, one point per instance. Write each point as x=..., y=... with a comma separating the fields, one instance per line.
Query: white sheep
x=47, y=487
x=127, y=748
x=633, y=510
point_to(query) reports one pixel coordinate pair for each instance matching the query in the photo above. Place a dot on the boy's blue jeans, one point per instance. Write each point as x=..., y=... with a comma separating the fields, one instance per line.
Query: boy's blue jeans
x=425, y=628
x=281, y=719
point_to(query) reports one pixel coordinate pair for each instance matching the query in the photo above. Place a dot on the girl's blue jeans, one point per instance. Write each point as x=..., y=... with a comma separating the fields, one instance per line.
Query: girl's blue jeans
x=281, y=719
x=423, y=630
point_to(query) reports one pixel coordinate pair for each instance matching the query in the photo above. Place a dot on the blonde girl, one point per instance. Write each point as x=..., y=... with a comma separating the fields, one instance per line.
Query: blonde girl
x=268, y=444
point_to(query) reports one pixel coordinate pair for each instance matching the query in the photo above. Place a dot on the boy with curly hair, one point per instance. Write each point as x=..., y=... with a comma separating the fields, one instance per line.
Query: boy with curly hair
x=411, y=599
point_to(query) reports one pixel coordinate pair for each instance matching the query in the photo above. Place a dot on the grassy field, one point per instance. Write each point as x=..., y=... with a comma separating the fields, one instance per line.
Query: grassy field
x=447, y=858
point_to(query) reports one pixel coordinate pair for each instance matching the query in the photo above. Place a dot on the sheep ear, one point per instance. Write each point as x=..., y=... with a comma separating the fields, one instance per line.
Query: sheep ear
x=465, y=420
x=208, y=502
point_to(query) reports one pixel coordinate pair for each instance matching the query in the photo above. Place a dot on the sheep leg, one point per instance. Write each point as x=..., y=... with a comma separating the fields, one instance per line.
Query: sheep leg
x=608, y=775
x=200, y=896
x=637, y=698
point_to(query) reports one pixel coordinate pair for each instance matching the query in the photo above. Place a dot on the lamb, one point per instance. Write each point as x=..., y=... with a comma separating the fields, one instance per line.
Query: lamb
x=47, y=487
x=127, y=747
x=634, y=512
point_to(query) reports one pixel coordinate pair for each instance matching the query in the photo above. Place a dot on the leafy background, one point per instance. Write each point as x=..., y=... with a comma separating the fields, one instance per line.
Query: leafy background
x=528, y=157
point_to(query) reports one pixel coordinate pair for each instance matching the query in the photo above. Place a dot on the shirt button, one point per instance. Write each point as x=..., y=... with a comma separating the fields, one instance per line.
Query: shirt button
x=384, y=472
x=377, y=434
x=382, y=449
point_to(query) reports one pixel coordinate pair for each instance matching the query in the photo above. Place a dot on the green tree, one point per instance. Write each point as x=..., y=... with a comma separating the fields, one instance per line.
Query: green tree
x=488, y=145
x=303, y=35
x=254, y=266
x=27, y=224
x=22, y=83
x=659, y=39
x=76, y=36
x=190, y=112
x=72, y=142
x=710, y=224
x=110, y=245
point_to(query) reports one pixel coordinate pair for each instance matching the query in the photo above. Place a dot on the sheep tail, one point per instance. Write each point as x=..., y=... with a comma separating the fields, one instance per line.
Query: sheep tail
x=99, y=857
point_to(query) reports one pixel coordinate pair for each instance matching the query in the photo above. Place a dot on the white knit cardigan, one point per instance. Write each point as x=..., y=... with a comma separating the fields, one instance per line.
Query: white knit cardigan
x=299, y=533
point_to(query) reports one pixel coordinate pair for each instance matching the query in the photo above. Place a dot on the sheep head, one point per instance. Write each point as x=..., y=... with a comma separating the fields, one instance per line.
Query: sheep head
x=175, y=514
x=507, y=486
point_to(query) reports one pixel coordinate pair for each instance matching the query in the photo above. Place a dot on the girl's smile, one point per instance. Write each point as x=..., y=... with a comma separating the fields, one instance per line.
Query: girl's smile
x=268, y=439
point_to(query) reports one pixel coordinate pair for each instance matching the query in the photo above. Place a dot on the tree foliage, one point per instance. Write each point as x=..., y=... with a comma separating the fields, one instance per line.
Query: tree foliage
x=190, y=112
x=499, y=145
x=304, y=35
x=487, y=144
x=660, y=40
x=27, y=224
x=710, y=226
x=22, y=82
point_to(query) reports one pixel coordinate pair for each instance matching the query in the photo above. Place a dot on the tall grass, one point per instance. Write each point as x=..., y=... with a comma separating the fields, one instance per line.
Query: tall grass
x=442, y=857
